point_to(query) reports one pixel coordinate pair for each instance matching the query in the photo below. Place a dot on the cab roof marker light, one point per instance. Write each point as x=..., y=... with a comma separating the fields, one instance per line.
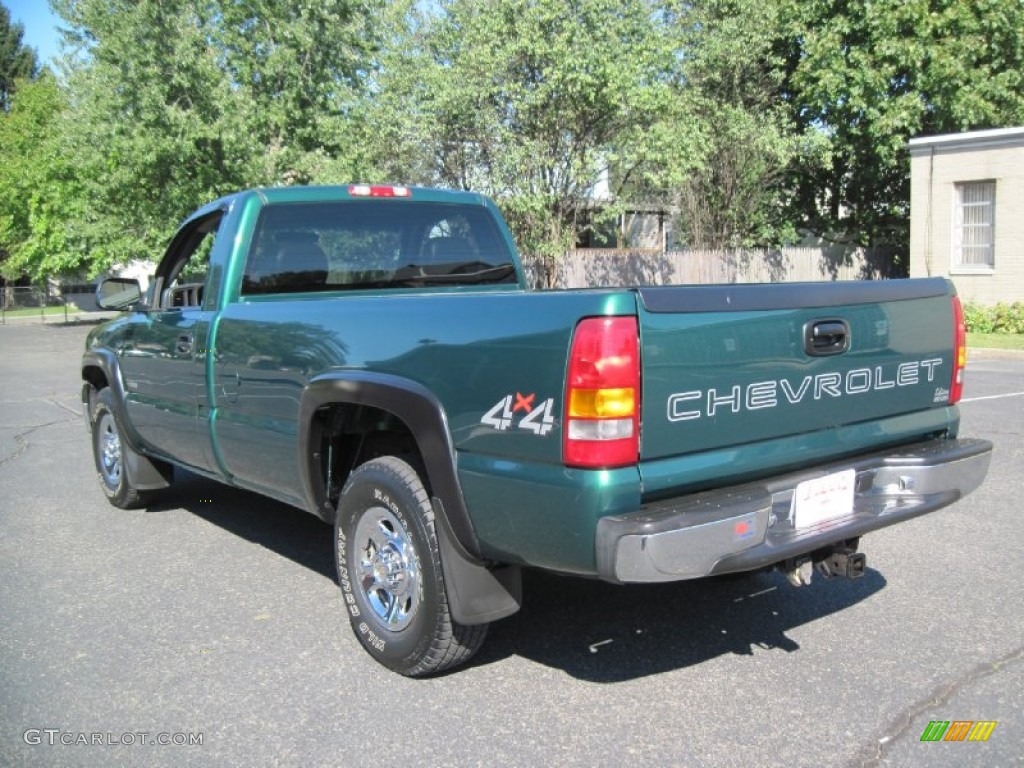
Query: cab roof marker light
x=378, y=190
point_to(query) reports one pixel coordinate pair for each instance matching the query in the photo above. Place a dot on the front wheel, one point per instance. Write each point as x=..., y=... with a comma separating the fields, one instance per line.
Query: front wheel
x=389, y=568
x=109, y=452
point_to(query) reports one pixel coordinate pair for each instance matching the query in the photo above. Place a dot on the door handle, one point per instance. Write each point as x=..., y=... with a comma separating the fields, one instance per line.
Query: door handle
x=826, y=337
x=183, y=346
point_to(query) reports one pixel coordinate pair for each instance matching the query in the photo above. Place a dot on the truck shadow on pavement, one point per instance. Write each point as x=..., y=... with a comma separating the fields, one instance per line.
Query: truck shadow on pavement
x=589, y=629
x=609, y=633
x=277, y=527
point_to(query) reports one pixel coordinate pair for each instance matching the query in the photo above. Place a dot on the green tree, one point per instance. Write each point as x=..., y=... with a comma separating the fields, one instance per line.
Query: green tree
x=175, y=102
x=870, y=75
x=17, y=60
x=146, y=121
x=736, y=197
x=532, y=102
x=300, y=70
x=39, y=191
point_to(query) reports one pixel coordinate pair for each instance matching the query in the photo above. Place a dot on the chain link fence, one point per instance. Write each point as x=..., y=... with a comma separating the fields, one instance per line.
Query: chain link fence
x=63, y=303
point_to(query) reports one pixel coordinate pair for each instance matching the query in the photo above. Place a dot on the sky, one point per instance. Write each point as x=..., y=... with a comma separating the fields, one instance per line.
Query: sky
x=40, y=26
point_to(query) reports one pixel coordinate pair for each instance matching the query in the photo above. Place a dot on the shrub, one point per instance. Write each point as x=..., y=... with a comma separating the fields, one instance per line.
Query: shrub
x=976, y=318
x=1002, y=318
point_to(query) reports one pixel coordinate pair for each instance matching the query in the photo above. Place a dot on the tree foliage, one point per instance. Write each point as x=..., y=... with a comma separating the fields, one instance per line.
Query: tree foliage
x=530, y=101
x=146, y=122
x=17, y=60
x=38, y=194
x=298, y=69
x=173, y=102
x=750, y=118
x=22, y=133
x=870, y=75
x=735, y=198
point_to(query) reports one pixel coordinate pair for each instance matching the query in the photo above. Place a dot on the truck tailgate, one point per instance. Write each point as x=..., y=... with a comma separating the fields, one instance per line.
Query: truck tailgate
x=738, y=364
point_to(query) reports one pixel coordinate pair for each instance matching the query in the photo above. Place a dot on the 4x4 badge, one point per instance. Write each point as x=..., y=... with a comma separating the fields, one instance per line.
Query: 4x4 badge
x=538, y=419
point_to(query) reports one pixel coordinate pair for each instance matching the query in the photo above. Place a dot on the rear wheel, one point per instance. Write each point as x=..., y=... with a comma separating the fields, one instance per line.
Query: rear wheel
x=109, y=452
x=389, y=568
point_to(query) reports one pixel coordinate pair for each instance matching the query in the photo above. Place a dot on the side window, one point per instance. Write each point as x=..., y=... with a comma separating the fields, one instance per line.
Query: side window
x=181, y=277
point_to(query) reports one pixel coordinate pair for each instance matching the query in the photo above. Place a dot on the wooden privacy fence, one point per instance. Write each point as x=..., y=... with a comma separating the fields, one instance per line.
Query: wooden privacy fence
x=586, y=268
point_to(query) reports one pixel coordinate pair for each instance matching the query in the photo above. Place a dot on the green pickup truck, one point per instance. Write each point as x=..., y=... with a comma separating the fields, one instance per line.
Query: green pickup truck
x=372, y=354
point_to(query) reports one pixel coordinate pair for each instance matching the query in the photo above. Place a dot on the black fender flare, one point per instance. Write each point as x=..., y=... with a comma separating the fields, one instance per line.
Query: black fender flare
x=421, y=412
x=477, y=593
x=143, y=473
x=106, y=361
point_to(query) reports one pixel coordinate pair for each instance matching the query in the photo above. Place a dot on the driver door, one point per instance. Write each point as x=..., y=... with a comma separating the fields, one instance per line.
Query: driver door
x=162, y=361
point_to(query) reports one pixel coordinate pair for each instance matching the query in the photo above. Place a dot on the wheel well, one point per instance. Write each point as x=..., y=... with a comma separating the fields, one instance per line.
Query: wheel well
x=346, y=435
x=97, y=380
x=95, y=376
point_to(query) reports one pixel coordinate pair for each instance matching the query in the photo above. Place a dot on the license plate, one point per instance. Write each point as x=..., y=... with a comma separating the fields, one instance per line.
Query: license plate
x=824, y=498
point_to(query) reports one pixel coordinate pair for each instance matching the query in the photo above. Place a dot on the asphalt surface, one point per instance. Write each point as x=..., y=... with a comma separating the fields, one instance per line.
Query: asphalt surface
x=214, y=616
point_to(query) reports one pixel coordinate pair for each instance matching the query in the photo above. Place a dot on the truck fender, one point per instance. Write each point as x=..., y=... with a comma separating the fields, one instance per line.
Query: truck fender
x=142, y=473
x=477, y=594
x=421, y=412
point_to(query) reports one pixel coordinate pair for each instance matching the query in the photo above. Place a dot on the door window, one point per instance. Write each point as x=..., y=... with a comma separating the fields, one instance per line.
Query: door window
x=180, y=280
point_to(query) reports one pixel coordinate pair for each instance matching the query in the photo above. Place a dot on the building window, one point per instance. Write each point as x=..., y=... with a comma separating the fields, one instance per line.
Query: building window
x=974, y=226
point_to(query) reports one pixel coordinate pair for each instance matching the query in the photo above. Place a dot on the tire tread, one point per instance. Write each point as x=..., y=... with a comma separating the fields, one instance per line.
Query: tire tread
x=452, y=643
x=126, y=496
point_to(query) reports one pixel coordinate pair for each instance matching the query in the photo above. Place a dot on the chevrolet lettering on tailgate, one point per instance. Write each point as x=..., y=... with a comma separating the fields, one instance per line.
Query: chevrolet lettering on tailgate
x=772, y=393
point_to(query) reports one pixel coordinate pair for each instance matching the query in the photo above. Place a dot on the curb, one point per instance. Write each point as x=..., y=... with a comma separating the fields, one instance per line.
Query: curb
x=992, y=353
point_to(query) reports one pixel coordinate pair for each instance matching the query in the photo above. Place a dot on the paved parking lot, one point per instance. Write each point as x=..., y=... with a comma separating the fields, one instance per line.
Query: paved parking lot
x=213, y=616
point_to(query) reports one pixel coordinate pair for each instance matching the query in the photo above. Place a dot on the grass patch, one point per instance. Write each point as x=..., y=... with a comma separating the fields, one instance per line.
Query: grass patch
x=36, y=311
x=996, y=340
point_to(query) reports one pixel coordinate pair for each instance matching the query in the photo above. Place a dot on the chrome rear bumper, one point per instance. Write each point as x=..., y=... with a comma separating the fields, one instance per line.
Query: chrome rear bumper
x=750, y=526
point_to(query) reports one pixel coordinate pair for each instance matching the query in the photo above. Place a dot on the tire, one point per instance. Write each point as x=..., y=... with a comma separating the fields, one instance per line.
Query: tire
x=389, y=569
x=109, y=451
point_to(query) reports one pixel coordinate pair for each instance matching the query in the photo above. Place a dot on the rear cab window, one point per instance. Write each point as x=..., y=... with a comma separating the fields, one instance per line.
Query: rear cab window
x=370, y=244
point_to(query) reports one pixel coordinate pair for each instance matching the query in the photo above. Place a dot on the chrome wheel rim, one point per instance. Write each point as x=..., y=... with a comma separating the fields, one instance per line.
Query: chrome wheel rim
x=109, y=450
x=387, y=568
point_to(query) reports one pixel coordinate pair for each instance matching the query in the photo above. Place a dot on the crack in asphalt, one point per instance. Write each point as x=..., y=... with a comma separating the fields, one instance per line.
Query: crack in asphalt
x=22, y=446
x=940, y=696
x=21, y=438
x=68, y=408
x=49, y=400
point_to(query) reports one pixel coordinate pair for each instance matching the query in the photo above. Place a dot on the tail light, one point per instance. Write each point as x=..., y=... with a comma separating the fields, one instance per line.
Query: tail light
x=602, y=394
x=956, y=387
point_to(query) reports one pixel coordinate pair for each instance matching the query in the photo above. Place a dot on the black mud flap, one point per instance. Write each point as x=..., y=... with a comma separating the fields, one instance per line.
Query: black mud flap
x=476, y=594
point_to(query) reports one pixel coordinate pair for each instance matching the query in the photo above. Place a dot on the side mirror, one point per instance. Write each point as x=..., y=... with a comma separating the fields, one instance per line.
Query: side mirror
x=118, y=293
